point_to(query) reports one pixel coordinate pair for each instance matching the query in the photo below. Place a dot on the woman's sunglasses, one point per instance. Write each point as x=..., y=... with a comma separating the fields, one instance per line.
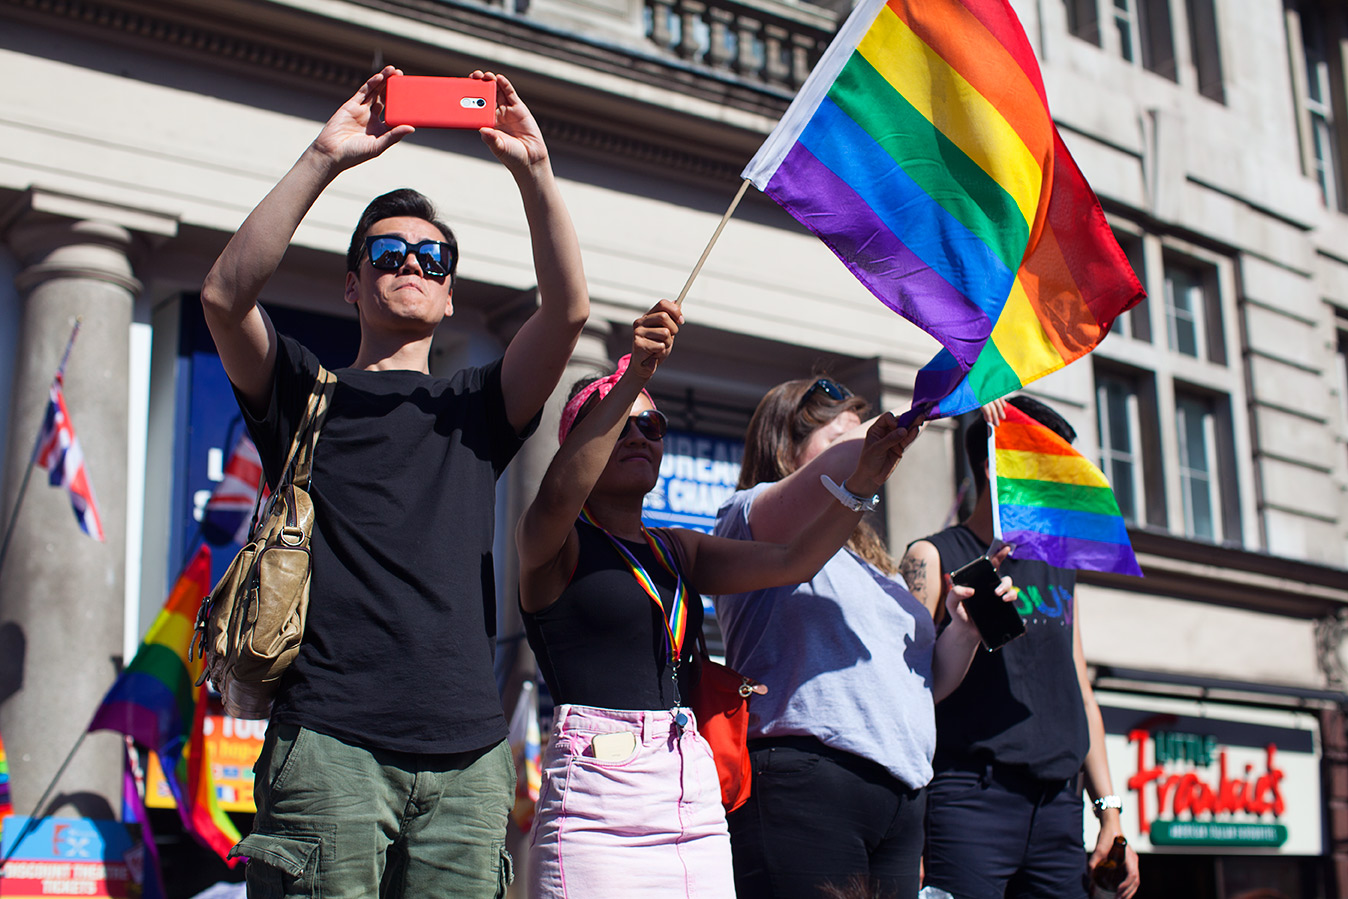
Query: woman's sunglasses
x=831, y=389
x=652, y=424
x=387, y=252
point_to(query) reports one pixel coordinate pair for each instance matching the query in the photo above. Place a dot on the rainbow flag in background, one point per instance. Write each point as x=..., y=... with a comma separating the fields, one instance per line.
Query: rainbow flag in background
x=156, y=703
x=526, y=747
x=201, y=810
x=921, y=151
x=1051, y=502
x=6, y=805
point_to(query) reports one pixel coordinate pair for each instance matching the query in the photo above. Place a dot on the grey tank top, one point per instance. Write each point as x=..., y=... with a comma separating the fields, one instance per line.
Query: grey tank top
x=846, y=657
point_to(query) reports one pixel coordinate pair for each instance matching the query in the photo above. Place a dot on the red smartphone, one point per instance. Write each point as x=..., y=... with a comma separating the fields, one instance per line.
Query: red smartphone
x=439, y=102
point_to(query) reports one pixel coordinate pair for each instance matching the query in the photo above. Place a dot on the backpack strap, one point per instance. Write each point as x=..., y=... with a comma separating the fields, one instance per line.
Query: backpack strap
x=320, y=400
x=299, y=461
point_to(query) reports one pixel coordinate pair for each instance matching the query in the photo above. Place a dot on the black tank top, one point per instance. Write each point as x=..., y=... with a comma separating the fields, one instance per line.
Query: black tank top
x=602, y=643
x=1021, y=705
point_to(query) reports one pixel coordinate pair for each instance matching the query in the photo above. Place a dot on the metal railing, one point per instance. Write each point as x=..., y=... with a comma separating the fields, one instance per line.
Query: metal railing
x=769, y=42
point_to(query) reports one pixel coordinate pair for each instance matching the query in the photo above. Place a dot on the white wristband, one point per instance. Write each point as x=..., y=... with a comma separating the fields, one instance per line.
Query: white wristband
x=847, y=497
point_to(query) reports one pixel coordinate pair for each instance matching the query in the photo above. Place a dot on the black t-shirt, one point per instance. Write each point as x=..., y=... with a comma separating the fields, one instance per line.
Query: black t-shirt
x=1021, y=705
x=398, y=646
x=603, y=642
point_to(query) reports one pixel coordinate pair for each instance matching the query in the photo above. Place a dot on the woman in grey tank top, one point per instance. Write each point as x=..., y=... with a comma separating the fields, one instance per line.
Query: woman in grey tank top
x=842, y=743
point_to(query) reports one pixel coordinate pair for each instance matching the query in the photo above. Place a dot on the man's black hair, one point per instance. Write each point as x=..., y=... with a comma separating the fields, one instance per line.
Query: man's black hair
x=976, y=435
x=400, y=203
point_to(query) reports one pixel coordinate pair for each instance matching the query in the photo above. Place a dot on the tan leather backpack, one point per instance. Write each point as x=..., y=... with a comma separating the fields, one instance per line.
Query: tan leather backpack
x=250, y=626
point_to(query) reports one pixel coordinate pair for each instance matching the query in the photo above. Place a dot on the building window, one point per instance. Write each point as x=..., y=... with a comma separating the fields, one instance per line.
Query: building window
x=1183, y=310
x=1206, y=463
x=1136, y=323
x=1197, y=465
x=1127, y=25
x=1168, y=411
x=1130, y=456
x=1318, y=102
x=1144, y=35
x=1116, y=418
x=1142, y=32
x=1083, y=20
x=1193, y=318
x=1204, y=49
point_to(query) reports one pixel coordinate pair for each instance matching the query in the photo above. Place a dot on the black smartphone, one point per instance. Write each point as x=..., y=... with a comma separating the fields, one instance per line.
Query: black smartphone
x=997, y=621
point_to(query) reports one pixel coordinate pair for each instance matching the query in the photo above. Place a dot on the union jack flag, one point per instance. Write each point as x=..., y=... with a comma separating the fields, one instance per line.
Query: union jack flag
x=228, y=512
x=58, y=451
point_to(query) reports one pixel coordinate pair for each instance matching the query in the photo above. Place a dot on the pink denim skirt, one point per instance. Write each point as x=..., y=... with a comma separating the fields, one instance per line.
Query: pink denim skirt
x=648, y=825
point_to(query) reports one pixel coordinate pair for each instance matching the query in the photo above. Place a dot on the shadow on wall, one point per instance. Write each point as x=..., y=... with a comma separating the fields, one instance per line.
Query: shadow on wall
x=13, y=650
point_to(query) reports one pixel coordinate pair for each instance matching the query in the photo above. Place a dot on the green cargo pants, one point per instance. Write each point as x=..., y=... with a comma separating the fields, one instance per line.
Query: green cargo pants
x=337, y=820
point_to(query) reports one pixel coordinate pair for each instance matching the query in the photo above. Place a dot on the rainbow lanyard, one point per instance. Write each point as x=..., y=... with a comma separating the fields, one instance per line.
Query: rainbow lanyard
x=676, y=616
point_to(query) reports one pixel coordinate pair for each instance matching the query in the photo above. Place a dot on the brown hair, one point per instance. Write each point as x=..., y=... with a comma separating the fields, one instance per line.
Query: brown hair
x=781, y=425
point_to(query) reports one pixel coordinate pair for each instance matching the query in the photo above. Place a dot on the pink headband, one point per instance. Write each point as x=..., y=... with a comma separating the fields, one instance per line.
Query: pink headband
x=602, y=386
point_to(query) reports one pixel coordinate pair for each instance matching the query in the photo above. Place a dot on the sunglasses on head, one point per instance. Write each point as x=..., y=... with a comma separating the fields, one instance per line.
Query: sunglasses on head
x=831, y=389
x=652, y=424
x=387, y=252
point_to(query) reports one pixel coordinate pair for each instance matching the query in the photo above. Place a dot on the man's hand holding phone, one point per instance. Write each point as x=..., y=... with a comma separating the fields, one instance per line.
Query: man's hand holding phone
x=515, y=138
x=357, y=132
x=977, y=596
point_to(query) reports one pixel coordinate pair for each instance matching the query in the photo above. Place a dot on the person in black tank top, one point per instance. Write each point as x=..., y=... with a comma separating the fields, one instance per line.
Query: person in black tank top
x=1003, y=808
x=630, y=802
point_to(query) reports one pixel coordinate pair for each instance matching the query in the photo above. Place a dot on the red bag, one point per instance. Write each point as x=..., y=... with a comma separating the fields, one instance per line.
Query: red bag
x=720, y=701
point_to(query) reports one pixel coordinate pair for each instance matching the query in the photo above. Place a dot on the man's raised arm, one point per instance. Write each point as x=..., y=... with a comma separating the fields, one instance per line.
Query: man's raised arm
x=537, y=356
x=243, y=334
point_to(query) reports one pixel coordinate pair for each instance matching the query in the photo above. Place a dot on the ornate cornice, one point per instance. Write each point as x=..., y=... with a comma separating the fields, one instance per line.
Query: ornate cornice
x=145, y=25
x=223, y=41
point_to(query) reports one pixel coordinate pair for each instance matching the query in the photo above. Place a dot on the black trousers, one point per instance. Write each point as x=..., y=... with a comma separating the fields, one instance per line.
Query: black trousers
x=994, y=834
x=820, y=817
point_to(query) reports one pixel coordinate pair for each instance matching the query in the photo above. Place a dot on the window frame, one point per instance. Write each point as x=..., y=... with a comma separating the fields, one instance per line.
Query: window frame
x=1317, y=67
x=1162, y=374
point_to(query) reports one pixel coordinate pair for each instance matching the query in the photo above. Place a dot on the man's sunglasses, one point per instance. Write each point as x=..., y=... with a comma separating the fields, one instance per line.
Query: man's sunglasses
x=831, y=389
x=652, y=424
x=387, y=252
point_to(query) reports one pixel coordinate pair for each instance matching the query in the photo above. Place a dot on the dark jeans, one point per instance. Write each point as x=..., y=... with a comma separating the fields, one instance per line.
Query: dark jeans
x=338, y=821
x=992, y=833
x=819, y=816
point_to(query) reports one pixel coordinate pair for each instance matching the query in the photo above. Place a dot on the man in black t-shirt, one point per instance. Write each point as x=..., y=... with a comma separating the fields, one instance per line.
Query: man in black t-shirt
x=1003, y=807
x=385, y=769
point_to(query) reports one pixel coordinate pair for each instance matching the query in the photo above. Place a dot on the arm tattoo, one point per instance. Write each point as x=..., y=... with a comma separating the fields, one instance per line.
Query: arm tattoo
x=914, y=573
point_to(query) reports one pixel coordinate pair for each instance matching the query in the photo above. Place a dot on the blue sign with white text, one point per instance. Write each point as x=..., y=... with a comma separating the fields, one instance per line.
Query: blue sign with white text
x=697, y=474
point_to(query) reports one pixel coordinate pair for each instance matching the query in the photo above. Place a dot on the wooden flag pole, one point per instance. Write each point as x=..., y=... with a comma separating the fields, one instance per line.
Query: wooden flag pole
x=744, y=185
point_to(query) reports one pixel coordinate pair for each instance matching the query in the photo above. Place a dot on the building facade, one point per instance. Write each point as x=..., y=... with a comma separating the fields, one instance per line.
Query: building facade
x=137, y=134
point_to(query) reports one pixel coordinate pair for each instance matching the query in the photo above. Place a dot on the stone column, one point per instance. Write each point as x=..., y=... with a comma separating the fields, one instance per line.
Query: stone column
x=62, y=592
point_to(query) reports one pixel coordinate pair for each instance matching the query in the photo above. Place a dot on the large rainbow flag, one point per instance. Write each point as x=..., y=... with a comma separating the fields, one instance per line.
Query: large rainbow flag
x=921, y=151
x=156, y=703
x=1051, y=502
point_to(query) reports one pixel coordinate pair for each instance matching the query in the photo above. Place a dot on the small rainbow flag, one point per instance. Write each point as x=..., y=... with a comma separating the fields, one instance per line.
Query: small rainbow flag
x=1051, y=502
x=526, y=747
x=921, y=151
x=6, y=805
x=156, y=703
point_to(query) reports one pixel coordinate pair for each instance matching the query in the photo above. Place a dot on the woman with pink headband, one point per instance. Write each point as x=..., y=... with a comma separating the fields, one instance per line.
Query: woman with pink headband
x=630, y=803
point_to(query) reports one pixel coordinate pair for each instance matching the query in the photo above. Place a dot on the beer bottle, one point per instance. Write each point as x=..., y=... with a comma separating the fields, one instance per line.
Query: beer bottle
x=1111, y=871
